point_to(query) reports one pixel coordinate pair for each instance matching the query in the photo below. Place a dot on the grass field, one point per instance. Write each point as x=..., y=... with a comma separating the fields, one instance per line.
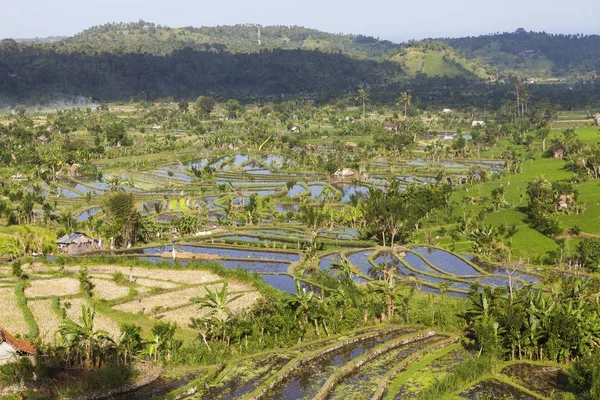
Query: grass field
x=527, y=242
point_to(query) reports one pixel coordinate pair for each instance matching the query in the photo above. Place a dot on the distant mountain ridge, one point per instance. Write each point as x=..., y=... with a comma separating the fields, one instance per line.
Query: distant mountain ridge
x=143, y=60
x=531, y=54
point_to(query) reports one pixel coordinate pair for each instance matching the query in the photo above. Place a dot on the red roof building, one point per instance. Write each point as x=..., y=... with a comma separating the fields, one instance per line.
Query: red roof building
x=12, y=348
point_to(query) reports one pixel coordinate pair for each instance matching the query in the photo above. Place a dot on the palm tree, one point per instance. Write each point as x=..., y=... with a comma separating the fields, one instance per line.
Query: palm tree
x=314, y=217
x=363, y=96
x=69, y=222
x=406, y=98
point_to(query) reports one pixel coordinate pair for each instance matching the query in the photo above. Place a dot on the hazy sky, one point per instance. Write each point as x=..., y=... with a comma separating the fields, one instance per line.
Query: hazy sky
x=388, y=19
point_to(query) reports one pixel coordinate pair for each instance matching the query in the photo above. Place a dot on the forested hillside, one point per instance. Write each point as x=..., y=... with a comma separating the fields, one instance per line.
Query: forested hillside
x=148, y=61
x=536, y=54
x=144, y=37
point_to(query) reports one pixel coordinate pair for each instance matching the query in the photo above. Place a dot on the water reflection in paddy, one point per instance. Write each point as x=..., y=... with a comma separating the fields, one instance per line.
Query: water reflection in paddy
x=223, y=252
x=446, y=261
x=84, y=216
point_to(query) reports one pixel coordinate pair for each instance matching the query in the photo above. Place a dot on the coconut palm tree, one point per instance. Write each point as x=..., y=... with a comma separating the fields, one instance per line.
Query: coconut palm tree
x=406, y=98
x=314, y=217
x=363, y=96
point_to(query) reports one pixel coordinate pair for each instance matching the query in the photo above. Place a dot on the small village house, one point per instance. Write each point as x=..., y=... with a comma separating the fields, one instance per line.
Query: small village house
x=477, y=123
x=345, y=173
x=12, y=349
x=76, y=243
x=597, y=119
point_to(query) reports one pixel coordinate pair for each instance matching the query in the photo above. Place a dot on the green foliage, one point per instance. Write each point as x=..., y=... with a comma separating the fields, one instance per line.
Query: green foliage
x=546, y=200
x=116, y=134
x=205, y=106
x=584, y=377
x=124, y=218
x=22, y=303
x=396, y=213
x=84, y=345
x=463, y=373
x=588, y=252
x=85, y=282
x=109, y=376
x=525, y=324
x=16, y=269
x=16, y=372
x=162, y=345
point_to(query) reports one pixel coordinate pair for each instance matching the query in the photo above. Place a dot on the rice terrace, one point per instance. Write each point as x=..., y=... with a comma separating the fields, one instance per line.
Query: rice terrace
x=360, y=220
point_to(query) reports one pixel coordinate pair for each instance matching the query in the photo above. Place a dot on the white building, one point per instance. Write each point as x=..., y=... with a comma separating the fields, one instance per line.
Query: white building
x=11, y=348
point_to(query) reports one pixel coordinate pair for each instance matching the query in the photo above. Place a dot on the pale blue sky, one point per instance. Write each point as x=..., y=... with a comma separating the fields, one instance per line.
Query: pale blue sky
x=388, y=19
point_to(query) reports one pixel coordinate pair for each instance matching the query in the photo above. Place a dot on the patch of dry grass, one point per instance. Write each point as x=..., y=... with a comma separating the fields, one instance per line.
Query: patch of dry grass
x=108, y=290
x=11, y=317
x=52, y=287
x=154, y=283
x=183, y=315
x=181, y=276
x=175, y=298
x=46, y=319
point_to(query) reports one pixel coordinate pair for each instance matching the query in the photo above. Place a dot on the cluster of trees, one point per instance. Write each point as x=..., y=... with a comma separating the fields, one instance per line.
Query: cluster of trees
x=560, y=326
x=581, y=158
x=396, y=213
x=547, y=199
